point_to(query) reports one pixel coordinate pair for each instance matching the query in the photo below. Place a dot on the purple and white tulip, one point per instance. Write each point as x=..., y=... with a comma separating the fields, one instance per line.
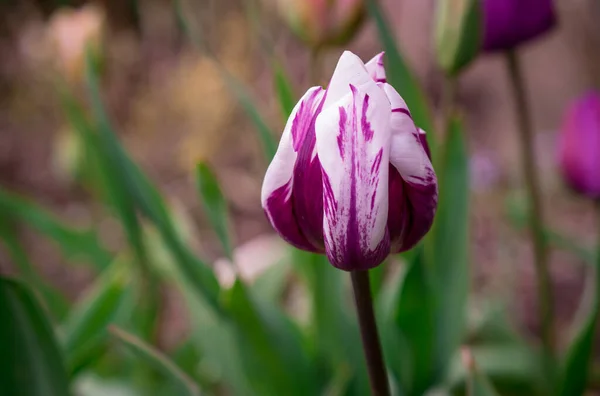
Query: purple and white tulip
x=352, y=176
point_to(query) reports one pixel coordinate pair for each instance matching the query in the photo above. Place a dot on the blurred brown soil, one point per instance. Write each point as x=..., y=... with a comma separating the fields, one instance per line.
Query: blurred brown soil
x=171, y=110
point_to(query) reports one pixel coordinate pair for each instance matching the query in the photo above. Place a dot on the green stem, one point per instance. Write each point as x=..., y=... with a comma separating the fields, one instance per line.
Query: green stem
x=369, y=334
x=447, y=111
x=544, y=288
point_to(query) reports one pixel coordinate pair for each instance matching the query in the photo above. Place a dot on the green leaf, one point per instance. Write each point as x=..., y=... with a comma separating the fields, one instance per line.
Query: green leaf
x=447, y=248
x=478, y=384
x=414, y=318
x=90, y=316
x=573, y=379
x=31, y=362
x=158, y=360
x=149, y=201
x=457, y=34
x=514, y=367
x=400, y=76
x=55, y=302
x=333, y=329
x=271, y=346
x=215, y=205
x=283, y=88
x=74, y=243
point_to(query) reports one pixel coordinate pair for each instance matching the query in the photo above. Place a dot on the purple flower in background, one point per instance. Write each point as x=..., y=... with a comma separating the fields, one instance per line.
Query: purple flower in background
x=508, y=23
x=352, y=176
x=579, y=145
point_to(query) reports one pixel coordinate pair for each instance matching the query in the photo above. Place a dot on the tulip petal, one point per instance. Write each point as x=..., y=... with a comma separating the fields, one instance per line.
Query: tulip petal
x=353, y=147
x=416, y=208
x=350, y=70
x=277, y=194
x=375, y=68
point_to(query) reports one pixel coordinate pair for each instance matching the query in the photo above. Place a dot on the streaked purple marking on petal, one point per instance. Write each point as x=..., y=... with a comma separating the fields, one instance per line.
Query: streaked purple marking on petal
x=342, y=127
x=283, y=219
x=303, y=120
x=401, y=110
x=365, y=124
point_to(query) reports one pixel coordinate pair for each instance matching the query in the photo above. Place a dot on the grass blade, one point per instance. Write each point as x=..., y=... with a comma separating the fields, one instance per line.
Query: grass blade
x=155, y=358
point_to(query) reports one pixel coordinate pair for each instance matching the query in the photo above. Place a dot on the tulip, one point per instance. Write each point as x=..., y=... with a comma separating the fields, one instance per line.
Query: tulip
x=323, y=22
x=579, y=145
x=352, y=177
x=508, y=23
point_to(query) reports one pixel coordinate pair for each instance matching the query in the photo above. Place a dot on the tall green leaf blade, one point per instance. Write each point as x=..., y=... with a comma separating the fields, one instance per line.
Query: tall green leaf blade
x=333, y=329
x=272, y=347
x=150, y=202
x=415, y=319
x=55, y=302
x=90, y=316
x=447, y=248
x=573, y=379
x=400, y=76
x=215, y=205
x=74, y=243
x=149, y=355
x=31, y=362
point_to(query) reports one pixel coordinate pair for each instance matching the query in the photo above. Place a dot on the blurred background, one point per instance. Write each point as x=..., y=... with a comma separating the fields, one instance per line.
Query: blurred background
x=172, y=109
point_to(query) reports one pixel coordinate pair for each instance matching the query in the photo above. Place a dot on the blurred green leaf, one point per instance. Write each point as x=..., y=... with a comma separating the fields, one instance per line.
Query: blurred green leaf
x=272, y=348
x=90, y=316
x=400, y=76
x=514, y=367
x=332, y=329
x=215, y=205
x=55, y=302
x=414, y=318
x=447, y=249
x=477, y=384
x=270, y=285
x=31, y=362
x=284, y=90
x=74, y=244
x=516, y=210
x=158, y=360
x=149, y=201
x=574, y=375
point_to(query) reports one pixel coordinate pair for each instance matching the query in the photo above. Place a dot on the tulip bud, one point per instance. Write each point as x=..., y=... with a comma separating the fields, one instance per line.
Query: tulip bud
x=73, y=32
x=508, y=23
x=457, y=38
x=323, y=22
x=579, y=145
x=351, y=177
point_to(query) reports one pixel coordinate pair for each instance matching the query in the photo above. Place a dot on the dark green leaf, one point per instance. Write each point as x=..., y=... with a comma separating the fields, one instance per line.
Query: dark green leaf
x=215, y=205
x=447, y=248
x=89, y=318
x=149, y=201
x=400, y=76
x=573, y=379
x=73, y=243
x=158, y=360
x=31, y=362
x=55, y=302
x=414, y=318
x=272, y=347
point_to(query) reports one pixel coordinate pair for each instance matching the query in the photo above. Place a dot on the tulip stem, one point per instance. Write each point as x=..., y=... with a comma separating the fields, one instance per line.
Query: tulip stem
x=544, y=287
x=369, y=334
